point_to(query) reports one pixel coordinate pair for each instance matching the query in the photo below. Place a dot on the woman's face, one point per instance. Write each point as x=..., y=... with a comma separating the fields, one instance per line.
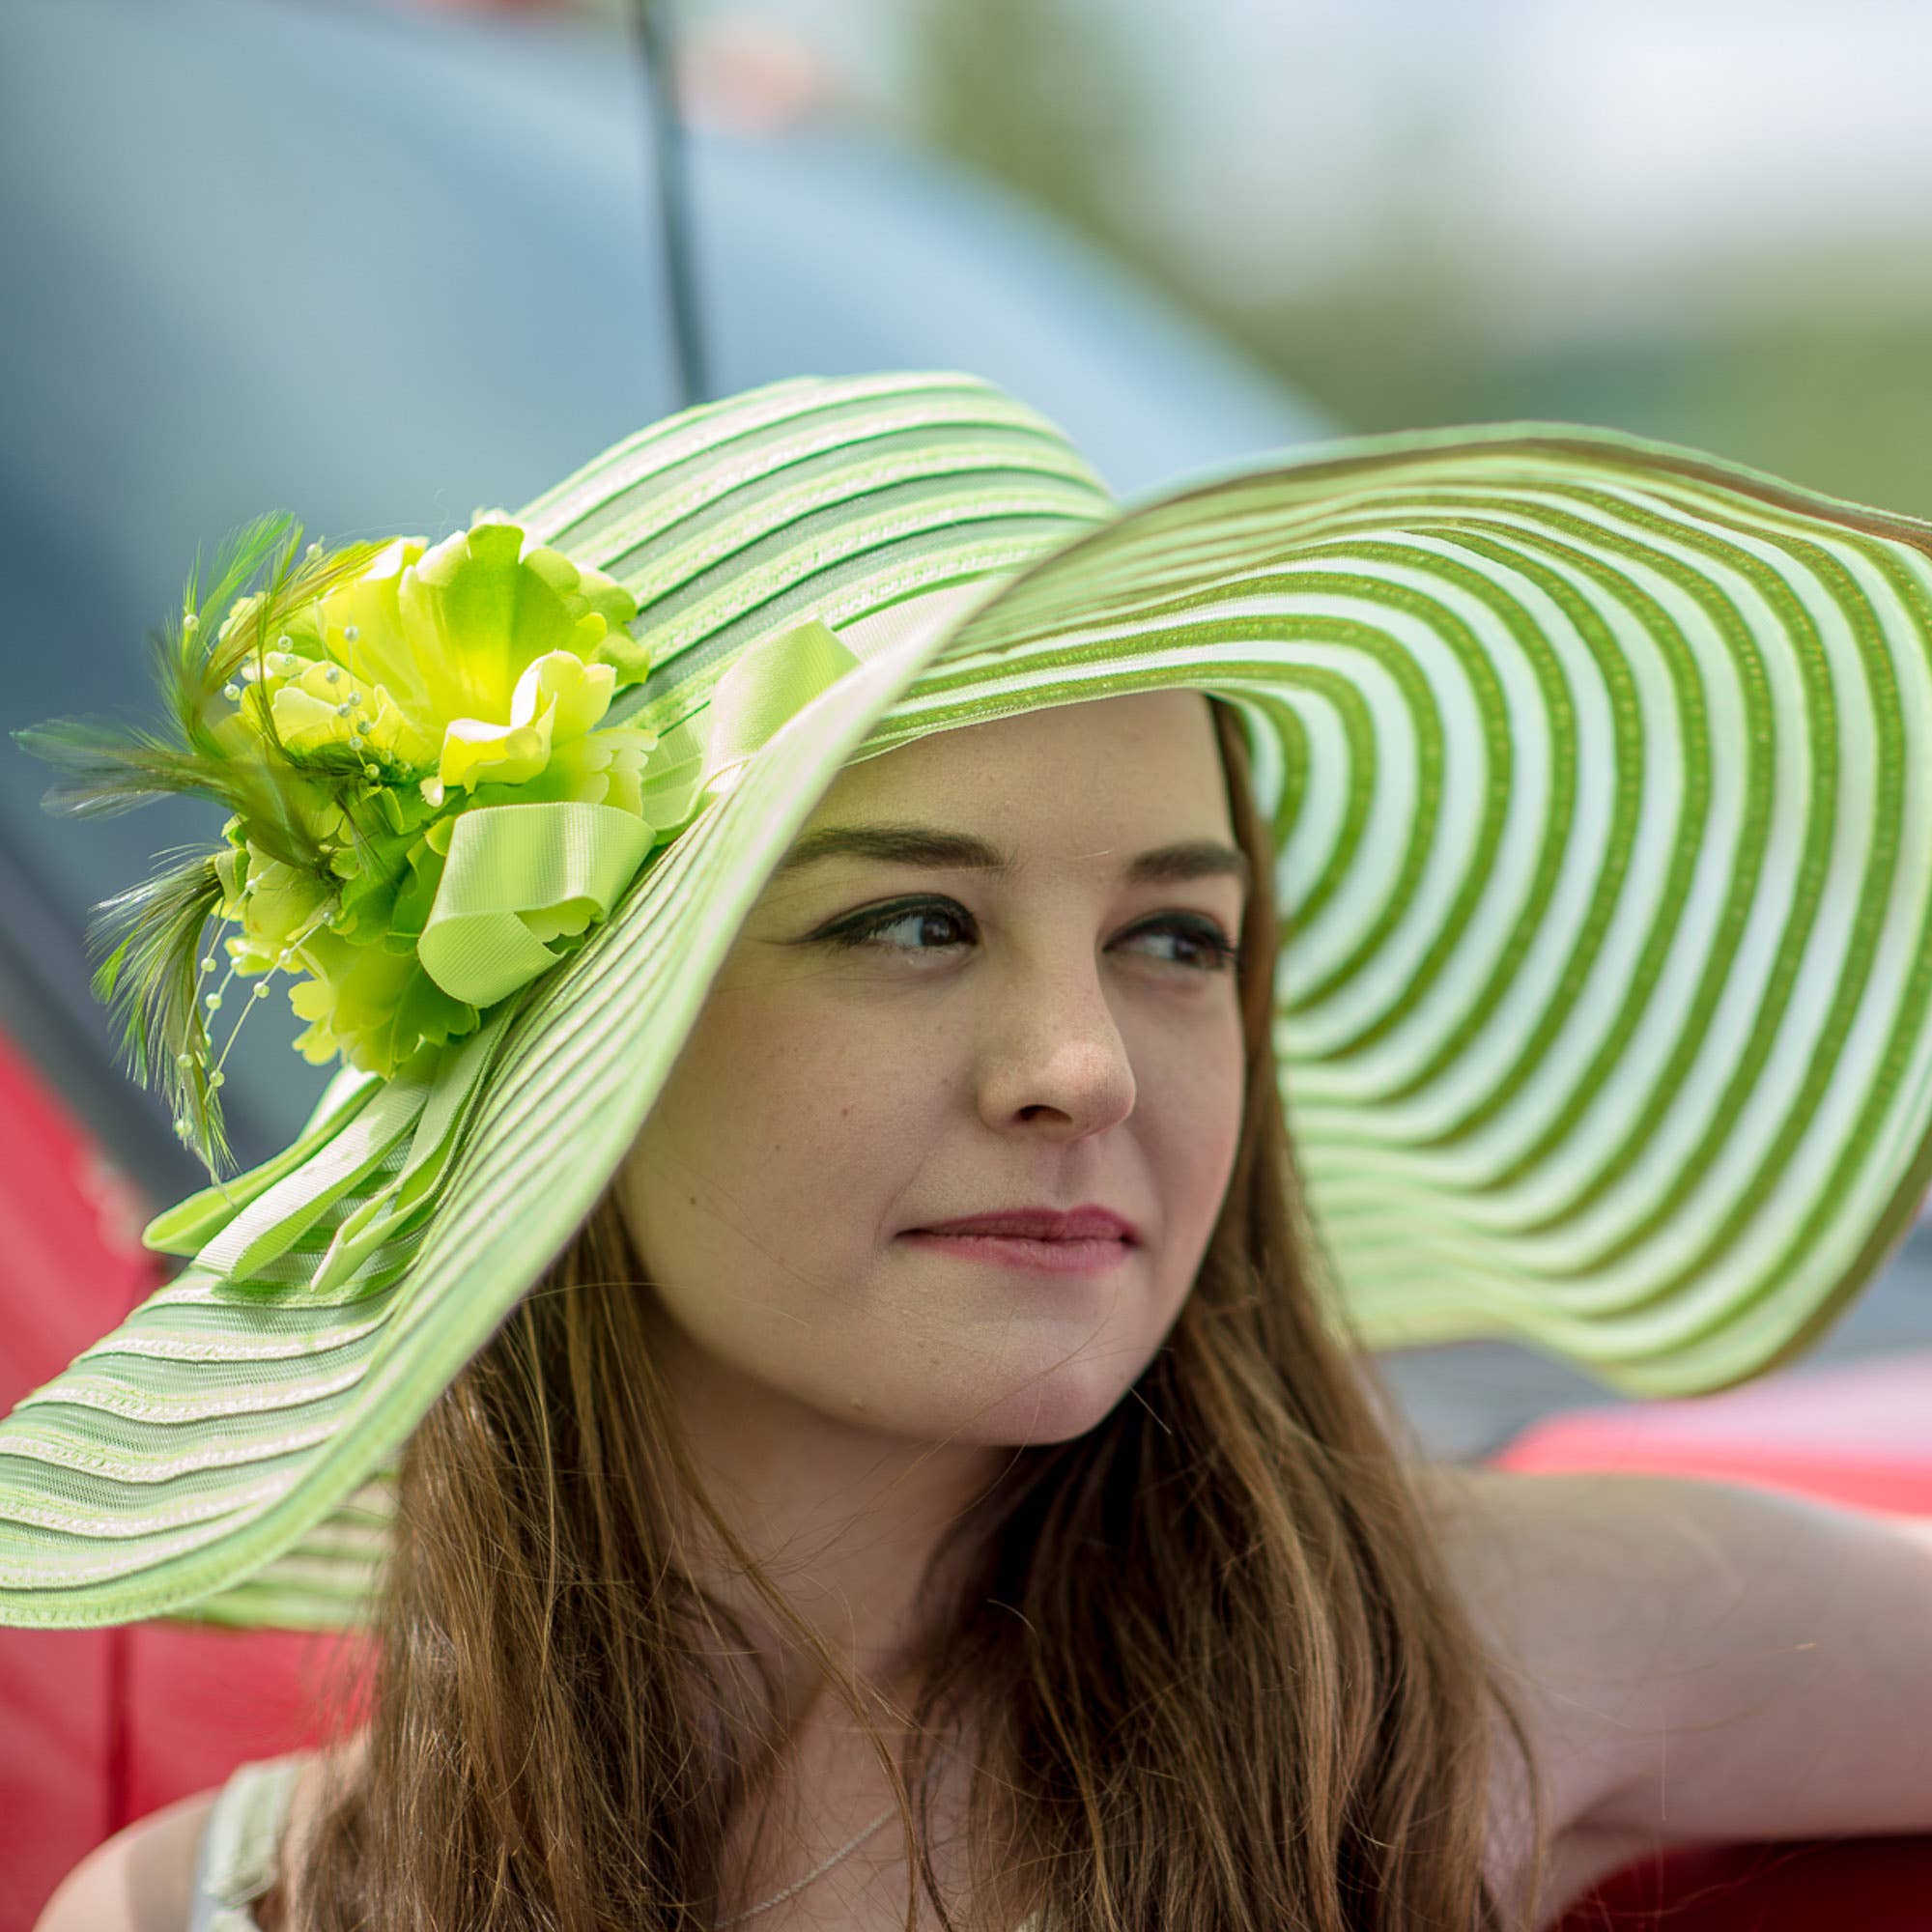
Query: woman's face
x=903, y=1037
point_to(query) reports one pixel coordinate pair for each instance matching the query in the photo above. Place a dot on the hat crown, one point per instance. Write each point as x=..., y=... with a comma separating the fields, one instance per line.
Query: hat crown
x=817, y=498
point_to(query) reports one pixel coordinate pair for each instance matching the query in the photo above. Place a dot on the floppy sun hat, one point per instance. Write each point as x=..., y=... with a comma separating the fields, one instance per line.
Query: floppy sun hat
x=1597, y=771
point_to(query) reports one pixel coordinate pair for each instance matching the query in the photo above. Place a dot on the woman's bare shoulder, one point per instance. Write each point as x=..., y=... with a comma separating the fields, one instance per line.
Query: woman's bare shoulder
x=142, y=1879
x=139, y=1881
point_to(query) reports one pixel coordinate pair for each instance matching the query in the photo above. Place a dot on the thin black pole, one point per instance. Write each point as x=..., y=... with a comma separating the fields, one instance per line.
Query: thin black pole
x=674, y=210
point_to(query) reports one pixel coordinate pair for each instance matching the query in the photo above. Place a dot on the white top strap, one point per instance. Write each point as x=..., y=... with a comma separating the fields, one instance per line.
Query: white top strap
x=240, y=1844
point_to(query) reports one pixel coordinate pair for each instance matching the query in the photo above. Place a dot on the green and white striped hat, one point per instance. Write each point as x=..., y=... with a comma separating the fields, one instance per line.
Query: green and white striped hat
x=1599, y=776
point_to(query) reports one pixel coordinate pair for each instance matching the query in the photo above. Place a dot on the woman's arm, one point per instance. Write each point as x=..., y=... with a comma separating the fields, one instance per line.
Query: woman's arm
x=1704, y=1662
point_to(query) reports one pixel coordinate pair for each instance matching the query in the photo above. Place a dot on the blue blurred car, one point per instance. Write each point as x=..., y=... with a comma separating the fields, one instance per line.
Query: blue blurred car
x=379, y=268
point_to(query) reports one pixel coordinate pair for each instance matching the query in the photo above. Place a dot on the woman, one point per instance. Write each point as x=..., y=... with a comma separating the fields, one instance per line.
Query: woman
x=774, y=1511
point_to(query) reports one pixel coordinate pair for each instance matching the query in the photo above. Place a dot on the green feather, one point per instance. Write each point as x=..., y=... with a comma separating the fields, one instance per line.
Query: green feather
x=152, y=936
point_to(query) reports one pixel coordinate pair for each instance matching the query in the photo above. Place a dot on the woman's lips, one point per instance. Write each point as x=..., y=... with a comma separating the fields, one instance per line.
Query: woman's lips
x=1089, y=1256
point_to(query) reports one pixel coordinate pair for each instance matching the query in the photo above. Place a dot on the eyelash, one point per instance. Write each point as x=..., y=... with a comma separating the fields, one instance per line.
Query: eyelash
x=1223, y=953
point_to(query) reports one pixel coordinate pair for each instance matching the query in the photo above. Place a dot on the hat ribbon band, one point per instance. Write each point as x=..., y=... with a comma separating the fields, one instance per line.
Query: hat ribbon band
x=243, y=1229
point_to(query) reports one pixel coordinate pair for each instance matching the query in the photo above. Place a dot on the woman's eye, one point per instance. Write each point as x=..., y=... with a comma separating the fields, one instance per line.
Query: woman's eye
x=1203, y=946
x=917, y=917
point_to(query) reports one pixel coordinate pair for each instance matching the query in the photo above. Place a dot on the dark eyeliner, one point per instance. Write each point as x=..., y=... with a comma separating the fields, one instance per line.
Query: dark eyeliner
x=867, y=924
x=1223, y=952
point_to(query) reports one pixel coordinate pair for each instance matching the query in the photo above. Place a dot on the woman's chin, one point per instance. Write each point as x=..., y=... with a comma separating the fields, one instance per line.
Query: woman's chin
x=1057, y=1404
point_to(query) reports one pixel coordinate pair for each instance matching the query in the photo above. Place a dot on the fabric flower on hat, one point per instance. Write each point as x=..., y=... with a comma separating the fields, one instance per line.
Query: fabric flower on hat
x=348, y=713
x=467, y=663
x=443, y=678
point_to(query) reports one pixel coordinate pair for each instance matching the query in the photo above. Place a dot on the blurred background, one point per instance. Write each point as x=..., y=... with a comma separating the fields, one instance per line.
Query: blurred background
x=382, y=261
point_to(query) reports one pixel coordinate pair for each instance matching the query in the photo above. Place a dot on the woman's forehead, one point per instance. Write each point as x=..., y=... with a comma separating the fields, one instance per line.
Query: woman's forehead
x=1151, y=757
x=1130, y=788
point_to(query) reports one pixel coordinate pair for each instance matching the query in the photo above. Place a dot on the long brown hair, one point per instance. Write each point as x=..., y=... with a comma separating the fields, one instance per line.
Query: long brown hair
x=1219, y=1678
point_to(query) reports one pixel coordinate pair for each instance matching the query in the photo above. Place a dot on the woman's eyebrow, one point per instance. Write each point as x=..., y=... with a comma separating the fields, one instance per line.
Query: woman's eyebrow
x=929, y=845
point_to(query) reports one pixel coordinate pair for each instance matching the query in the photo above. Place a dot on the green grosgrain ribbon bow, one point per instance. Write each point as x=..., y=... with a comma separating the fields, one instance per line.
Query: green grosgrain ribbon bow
x=515, y=877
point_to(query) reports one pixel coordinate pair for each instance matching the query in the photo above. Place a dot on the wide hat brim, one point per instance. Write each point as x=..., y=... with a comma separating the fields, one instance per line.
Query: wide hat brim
x=1599, y=775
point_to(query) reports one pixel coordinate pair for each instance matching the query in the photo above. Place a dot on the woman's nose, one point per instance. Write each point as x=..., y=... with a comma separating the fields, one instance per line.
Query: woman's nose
x=1053, y=1054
